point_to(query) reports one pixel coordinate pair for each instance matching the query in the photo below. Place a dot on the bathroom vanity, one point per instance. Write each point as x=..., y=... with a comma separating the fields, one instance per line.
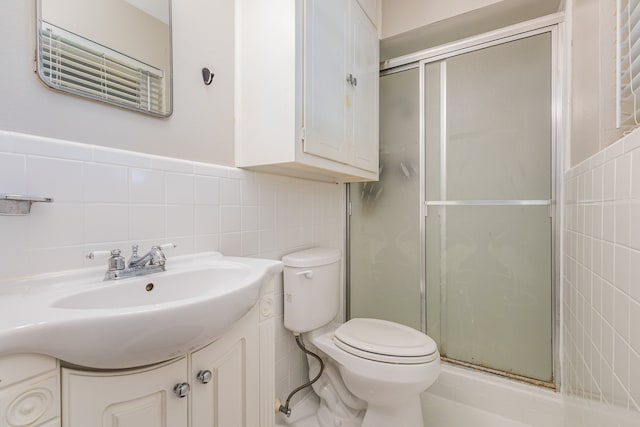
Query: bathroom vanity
x=228, y=381
x=219, y=384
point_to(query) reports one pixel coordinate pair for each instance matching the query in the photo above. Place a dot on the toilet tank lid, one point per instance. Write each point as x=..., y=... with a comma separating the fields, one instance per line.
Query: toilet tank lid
x=313, y=257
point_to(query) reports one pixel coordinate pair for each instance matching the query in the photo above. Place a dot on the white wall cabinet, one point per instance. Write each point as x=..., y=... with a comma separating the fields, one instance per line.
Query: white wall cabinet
x=307, y=89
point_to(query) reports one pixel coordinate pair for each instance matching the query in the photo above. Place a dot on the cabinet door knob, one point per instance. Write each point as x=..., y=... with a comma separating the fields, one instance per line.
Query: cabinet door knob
x=204, y=376
x=181, y=389
x=355, y=81
x=350, y=79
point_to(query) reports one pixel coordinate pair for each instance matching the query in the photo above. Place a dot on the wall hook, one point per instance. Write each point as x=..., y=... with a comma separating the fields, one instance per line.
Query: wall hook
x=207, y=76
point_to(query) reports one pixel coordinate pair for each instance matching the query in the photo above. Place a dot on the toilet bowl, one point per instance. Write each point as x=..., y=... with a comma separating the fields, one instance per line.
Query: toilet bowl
x=383, y=366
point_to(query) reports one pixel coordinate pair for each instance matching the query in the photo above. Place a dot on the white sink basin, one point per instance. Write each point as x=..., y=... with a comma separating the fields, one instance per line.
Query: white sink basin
x=160, y=288
x=81, y=319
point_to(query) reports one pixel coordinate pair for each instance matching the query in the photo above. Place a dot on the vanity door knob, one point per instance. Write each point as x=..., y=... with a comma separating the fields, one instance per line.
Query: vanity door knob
x=204, y=376
x=181, y=389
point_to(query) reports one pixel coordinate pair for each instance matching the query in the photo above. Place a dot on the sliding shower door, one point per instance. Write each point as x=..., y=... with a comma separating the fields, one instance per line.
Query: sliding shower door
x=488, y=156
x=456, y=237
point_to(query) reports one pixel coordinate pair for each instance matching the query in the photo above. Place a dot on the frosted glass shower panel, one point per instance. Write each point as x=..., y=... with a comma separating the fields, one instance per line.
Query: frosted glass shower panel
x=488, y=156
x=385, y=221
x=489, y=268
x=495, y=104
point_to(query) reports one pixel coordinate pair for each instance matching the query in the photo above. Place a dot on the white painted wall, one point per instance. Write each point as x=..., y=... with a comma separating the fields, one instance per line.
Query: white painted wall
x=399, y=16
x=201, y=127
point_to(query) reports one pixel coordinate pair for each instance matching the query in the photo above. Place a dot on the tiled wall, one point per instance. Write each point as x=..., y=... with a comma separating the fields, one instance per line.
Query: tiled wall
x=106, y=198
x=602, y=277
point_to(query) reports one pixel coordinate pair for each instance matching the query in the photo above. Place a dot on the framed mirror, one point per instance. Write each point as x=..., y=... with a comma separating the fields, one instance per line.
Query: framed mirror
x=114, y=51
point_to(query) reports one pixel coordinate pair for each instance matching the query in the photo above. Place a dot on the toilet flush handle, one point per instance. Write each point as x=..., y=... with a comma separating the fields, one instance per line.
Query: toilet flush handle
x=307, y=273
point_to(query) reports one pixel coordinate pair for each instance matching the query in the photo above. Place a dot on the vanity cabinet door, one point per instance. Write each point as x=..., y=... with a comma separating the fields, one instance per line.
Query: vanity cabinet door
x=136, y=398
x=29, y=391
x=225, y=378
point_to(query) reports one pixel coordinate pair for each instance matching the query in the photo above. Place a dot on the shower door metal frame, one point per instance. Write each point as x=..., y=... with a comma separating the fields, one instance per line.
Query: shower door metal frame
x=552, y=24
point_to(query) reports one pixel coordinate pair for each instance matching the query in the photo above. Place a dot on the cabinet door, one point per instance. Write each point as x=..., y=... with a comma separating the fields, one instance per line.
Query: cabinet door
x=364, y=115
x=325, y=79
x=230, y=395
x=33, y=402
x=141, y=398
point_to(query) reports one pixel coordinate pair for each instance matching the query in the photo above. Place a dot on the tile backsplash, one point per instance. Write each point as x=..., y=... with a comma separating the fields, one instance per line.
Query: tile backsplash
x=602, y=276
x=106, y=198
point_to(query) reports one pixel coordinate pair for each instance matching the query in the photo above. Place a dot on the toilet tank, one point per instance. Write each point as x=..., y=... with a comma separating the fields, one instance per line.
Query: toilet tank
x=311, y=288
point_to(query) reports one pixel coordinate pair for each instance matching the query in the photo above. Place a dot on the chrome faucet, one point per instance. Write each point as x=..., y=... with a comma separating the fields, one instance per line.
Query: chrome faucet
x=152, y=262
x=154, y=257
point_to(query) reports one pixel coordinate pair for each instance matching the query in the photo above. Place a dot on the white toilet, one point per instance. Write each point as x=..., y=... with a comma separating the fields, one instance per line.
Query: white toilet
x=375, y=370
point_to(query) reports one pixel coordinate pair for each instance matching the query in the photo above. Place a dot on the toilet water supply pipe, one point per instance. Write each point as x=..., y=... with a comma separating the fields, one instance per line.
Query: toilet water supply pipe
x=285, y=408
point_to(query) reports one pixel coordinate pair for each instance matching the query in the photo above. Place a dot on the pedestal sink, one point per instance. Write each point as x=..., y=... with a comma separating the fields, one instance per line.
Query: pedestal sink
x=81, y=319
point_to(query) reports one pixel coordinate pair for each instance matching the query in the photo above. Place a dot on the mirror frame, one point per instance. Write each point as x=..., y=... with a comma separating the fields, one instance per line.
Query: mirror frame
x=81, y=94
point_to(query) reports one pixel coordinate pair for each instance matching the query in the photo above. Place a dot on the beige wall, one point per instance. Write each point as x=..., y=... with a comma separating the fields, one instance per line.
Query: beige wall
x=201, y=127
x=399, y=16
x=593, y=77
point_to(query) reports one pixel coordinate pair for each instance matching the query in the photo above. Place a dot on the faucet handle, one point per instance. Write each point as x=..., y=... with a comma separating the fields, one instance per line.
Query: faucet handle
x=167, y=246
x=116, y=261
x=158, y=257
x=98, y=254
x=134, y=254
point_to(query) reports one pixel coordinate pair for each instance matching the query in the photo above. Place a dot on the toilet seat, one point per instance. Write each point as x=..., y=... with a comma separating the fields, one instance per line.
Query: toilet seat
x=384, y=341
